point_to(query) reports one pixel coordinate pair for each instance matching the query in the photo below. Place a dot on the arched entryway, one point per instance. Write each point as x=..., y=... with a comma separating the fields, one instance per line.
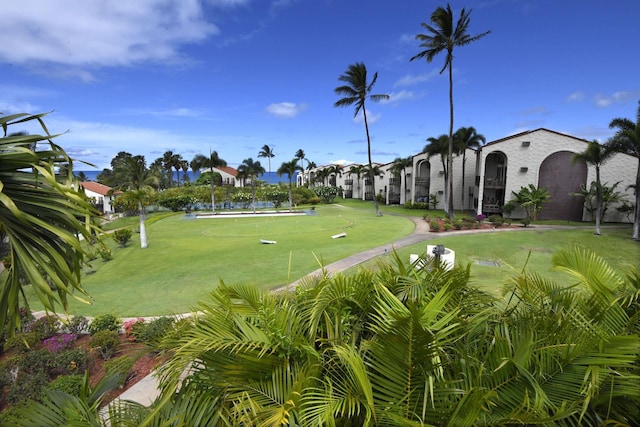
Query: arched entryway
x=422, y=181
x=560, y=176
x=495, y=181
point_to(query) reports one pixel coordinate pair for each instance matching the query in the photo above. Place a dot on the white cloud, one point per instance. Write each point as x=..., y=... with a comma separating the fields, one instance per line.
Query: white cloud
x=82, y=33
x=414, y=79
x=342, y=162
x=285, y=110
x=620, y=97
x=403, y=95
x=575, y=96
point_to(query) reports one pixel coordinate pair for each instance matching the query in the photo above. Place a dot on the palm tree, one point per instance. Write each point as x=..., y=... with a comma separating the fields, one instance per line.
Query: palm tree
x=41, y=216
x=400, y=165
x=372, y=173
x=357, y=170
x=213, y=161
x=627, y=140
x=355, y=92
x=267, y=152
x=440, y=146
x=289, y=168
x=532, y=199
x=442, y=37
x=251, y=169
x=168, y=162
x=301, y=157
x=179, y=164
x=595, y=155
x=140, y=183
x=334, y=170
x=467, y=138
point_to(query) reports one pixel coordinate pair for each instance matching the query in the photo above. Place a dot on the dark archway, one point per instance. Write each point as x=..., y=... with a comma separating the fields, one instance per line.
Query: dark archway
x=561, y=177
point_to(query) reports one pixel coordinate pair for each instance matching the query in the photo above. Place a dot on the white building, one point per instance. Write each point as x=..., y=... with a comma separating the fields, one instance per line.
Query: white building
x=100, y=195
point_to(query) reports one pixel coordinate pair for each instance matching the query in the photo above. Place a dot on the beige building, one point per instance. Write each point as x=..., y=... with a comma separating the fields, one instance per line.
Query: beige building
x=492, y=174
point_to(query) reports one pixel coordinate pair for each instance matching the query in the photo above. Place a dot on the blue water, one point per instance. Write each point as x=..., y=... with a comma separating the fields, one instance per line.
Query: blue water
x=271, y=178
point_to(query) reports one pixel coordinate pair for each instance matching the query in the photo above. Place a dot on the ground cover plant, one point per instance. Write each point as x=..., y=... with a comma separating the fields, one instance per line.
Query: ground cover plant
x=187, y=258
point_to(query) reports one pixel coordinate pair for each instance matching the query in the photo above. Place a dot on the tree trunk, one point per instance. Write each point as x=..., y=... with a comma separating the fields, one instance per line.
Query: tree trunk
x=371, y=177
x=450, y=211
x=598, y=200
x=636, y=217
x=143, y=230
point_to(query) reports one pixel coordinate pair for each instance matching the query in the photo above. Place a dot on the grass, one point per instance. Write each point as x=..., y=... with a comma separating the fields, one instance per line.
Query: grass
x=186, y=259
x=531, y=248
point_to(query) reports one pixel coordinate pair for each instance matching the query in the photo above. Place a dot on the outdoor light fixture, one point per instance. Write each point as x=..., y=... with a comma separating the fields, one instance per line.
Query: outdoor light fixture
x=526, y=143
x=524, y=169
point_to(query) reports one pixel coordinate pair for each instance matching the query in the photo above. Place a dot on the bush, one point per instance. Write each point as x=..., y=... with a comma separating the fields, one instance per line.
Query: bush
x=122, y=236
x=45, y=327
x=22, y=341
x=60, y=342
x=105, y=253
x=70, y=361
x=132, y=328
x=417, y=205
x=106, y=342
x=496, y=220
x=27, y=386
x=78, y=325
x=435, y=226
x=457, y=224
x=36, y=362
x=105, y=322
x=70, y=384
x=447, y=226
x=153, y=332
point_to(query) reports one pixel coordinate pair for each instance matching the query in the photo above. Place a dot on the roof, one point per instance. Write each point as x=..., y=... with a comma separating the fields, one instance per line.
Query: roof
x=96, y=187
x=533, y=131
x=228, y=169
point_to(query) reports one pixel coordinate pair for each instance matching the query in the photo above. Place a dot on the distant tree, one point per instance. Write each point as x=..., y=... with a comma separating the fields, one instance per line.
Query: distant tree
x=289, y=168
x=608, y=196
x=335, y=170
x=466, y=138
x=627, y=140
x=357, y=170
x=595, y=155
x=440, y=146
x=301, y=156
x=140, y=184
x=168, y=162
x=82, y=176
x=267, y=151
x=400, y=165
x=252, y=170
x=444, y=36
x=356, y=91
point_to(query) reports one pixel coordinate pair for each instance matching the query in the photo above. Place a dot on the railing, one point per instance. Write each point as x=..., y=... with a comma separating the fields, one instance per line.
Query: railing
x=394, y=181
x=494, y=182
x=422, y=181
x=348, y=182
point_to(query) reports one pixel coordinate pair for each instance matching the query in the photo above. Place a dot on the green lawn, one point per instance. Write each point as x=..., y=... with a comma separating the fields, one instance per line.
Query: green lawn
x=512, y=251
x=186, y=259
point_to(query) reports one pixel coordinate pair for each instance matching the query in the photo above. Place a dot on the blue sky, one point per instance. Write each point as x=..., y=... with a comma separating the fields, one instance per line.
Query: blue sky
x=147, y=76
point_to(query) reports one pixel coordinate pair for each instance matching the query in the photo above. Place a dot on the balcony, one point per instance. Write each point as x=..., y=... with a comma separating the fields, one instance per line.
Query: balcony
x=494, y=182
x=422, y=181
x=348, y=182
x=395, y=181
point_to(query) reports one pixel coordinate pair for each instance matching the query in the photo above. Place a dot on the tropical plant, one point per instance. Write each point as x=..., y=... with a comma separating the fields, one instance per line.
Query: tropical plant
x=356, y=91
x=122, y=236
x=532, y=199
x=443, y=36
x=41, y=216
x=289, y=168
x=139, y=183
x=466, y=138
x=357, y=170
x=608, y=196
x=595, y=155
x=400, y=165
x=371, y=174
x=335, y=171
x=267, y=151
x=251, y=169
x=214, y=161
x=440, y=146
x=627, y=140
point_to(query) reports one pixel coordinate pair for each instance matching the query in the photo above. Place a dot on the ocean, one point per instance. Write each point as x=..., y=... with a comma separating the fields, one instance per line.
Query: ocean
x=269, y=177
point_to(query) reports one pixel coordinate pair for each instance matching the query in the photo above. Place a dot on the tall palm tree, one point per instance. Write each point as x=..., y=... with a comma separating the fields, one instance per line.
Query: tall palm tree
x=140, y=183
x=440, y=146
x=252, y=170
x=467, y=138
x=41, y=216
x=357, y=170
x=627, y=140
x=443, y=37
x=213, y=161
x=372, y=173
x=289, y=168
x=595, y=155
x=267, y=151
x=356, y=91
x=335, y=170
x=178, y=163
x=168, y=161
x=301, y=156
x=400, y=165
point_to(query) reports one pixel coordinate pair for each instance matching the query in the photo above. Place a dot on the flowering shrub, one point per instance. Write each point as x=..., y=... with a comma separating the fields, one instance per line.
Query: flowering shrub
x=130, y=328
x=60, y=342
x=480, y=217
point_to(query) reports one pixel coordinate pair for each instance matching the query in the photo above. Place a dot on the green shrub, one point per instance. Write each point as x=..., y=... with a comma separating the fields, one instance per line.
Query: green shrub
x=417, y=205
x=70, y=361
x=105, y=253
x=106, y=342
x=447, y=226
x=70, y=384
x=105, y=322
x=496, y=220
x=27, y=386
x=45, y=327
x=153, y=332
x=21, y=342
x=36, y=362
x=78, y=325
x=122, y=236
x=457, y=224
x=435, y=226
